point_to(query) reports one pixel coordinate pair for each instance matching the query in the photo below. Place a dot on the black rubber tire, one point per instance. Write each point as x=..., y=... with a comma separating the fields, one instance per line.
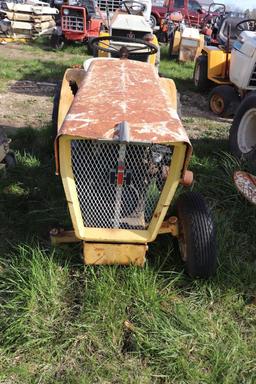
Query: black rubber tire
x=203, y=83
x=90, y=49
x=55, y=110
x=153, y=21
x=57, y=42
x=10, y=160
x=248, y=103
x=197, y=231
x=170, y=46
x=230, y=100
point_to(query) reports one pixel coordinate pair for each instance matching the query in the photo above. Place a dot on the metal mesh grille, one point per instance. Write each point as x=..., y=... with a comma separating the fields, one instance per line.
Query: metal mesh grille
x=252, y=82
x=112, y=5
x=104, y=201
x=72, y=23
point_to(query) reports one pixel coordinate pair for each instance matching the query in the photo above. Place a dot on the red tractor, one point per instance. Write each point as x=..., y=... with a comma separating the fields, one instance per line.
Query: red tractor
x=79, y=21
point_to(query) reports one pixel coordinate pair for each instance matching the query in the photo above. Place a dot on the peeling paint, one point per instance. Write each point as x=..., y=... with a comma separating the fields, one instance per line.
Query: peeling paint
x=123, y=90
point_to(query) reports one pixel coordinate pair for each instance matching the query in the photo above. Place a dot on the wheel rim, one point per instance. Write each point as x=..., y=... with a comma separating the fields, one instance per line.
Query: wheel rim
x=217, y=104
x=246, y=135
x=197, y=75
x=152, y=22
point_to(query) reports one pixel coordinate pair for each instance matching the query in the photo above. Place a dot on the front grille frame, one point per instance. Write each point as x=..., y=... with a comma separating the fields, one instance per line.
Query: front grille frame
x=105, y=204
x=105, y=235
x=75, y=22
x=111, y=5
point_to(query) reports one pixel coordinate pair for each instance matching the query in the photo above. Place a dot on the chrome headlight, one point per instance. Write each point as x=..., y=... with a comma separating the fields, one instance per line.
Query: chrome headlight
x=66, y=11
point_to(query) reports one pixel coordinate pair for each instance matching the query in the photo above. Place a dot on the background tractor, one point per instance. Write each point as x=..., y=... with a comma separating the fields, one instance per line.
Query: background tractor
x=228, y=67
x=79, y=21
x=129, y=30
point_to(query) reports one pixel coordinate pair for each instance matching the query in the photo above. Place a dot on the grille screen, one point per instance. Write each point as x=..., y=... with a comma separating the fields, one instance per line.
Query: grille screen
x=74, y=22
x=252, y=82
x=118, y=185
x=112, y=5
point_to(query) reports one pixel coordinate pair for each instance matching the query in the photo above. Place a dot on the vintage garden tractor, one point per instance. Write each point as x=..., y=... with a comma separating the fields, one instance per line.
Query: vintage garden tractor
x=122, y=152
x=79, y=22
x=129, y=30
x=229, y=67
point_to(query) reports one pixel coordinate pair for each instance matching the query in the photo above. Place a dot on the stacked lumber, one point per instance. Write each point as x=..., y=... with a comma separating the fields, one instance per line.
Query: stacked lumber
x=26, y=20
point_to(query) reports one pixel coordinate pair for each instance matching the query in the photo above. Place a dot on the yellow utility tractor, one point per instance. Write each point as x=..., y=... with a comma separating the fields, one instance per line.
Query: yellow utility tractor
x=122, y=152
x=228, y=67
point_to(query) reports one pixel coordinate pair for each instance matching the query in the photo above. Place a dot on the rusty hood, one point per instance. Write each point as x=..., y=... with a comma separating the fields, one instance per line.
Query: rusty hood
x=116, y=91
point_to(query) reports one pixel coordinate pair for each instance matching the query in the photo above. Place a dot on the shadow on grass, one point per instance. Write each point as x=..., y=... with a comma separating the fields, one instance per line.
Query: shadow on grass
x=33, y=202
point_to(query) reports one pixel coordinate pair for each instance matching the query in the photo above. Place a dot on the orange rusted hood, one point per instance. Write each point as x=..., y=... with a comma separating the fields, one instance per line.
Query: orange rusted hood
x=114, y=91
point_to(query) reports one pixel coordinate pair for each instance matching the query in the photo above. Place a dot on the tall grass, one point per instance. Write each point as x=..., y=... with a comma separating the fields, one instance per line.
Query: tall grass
x=62, y=322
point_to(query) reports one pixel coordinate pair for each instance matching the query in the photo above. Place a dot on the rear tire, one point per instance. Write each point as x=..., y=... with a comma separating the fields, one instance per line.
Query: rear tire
x=10, y=160
x=197, y=236
x=200, y=77
x=57, y=42
x=242, y=134
x=224, y=100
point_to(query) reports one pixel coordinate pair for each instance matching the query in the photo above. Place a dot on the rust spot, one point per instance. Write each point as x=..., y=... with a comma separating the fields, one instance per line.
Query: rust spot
x=129, y=91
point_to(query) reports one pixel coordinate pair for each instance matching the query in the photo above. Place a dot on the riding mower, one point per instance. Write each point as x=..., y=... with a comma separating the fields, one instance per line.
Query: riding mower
x=128, y=28
x=79, y=21
x=122, y=152
x=229, y=67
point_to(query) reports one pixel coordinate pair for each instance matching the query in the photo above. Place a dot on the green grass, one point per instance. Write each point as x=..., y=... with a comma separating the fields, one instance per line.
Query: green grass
x=61, y=322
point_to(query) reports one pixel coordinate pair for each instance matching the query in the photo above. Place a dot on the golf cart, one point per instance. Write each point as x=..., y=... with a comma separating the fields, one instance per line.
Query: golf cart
x=121, y=151
x=229, y=67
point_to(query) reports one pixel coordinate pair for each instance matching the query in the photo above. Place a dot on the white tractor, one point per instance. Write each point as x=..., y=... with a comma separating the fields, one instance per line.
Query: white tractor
x=243, y=76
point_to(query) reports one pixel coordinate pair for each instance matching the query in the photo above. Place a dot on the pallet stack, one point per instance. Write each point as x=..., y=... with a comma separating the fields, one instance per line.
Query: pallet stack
x=26, y=20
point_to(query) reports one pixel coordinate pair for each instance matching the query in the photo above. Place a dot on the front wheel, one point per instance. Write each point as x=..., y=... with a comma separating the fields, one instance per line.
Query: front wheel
x=242, y=134
x=57, y=42
x=152, y=22
x=200, y=76
x=197, y=235
x=224, y=100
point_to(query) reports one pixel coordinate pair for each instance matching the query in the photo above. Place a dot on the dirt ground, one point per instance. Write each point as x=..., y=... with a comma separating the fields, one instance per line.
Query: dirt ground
x=26, y=103
x=29, y=103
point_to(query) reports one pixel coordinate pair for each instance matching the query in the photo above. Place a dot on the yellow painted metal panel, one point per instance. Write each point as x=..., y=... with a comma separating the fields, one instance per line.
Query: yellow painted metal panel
x=176, y=43
x=109, y=254
x=216, y=63
x=118, y=235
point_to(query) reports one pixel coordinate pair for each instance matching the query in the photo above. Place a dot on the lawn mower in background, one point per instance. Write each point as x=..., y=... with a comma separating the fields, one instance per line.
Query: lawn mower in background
x=229, y=68
x=128, y=29
x=184, y=42
x=80, y=21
